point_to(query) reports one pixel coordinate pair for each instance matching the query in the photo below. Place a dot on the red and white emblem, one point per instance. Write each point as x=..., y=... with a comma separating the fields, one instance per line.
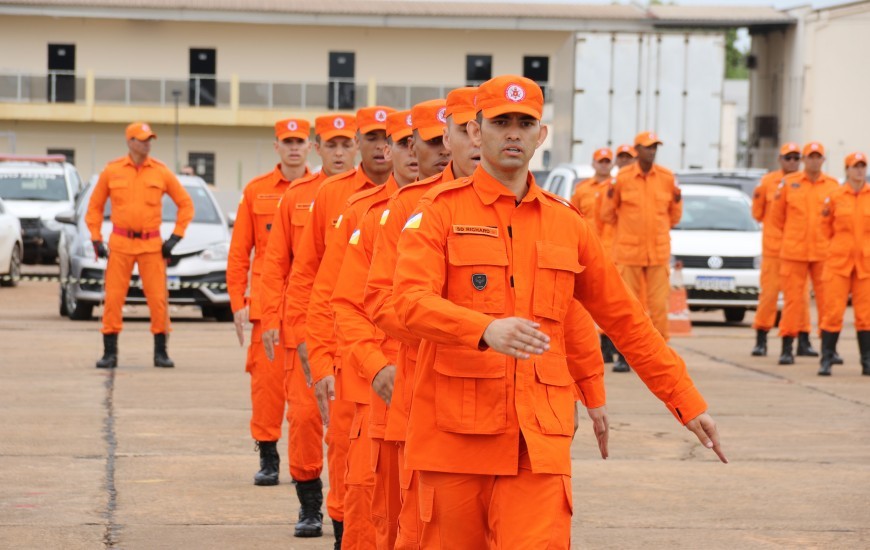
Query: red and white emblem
x=515, y=93
x=408, y=120
x=292, y=126
x=381, y=115
x=442, y=115
x=338, y=123
x=146, y=128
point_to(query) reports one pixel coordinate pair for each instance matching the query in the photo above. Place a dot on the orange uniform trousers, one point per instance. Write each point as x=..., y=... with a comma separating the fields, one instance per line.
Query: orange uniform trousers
x=359, y=481
x=472, y=511
x=386, y=502
x=267, y=388
x=793, y=278
x=768, y=296
x=305, y=437
x=410, y=525
x=337, y=438
x=152, y=275
x=837, y=289
x=653, y=282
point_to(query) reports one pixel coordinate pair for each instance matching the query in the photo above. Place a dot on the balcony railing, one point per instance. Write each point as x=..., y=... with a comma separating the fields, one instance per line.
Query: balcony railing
x=208, y=91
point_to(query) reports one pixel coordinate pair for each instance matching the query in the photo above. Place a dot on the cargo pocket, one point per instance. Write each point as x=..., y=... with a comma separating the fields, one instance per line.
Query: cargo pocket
x=554, y=279
x=476, y=272
x=426, y=501
x=470, y=391
x=554, y=395
x=154, y=190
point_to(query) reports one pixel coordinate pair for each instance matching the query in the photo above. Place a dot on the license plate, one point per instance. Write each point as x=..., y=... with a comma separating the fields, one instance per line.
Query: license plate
x=173, y=283
x=715, y=283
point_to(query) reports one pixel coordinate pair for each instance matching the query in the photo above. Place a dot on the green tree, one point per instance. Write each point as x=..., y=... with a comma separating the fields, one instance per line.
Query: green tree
x=735, y=60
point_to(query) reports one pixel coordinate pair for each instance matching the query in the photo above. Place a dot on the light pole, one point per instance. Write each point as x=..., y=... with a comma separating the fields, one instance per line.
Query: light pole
x=176, y=95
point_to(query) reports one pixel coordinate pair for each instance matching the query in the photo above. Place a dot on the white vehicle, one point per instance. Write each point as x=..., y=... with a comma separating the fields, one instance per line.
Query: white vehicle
x=719, y=245
x=36, y=189
x=564, y=178
x=11, y=247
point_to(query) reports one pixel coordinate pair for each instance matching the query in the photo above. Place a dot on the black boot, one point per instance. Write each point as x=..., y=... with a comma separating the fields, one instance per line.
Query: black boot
x=804, y=348
x=161, y=359
x=110, y=352
x=310, y=494
x=338, y=527
x=829, y=344
x=620, y=365
x=864, y=347
x=787, y=358
x=607, y=349
x=269, y=463
x=760, y=349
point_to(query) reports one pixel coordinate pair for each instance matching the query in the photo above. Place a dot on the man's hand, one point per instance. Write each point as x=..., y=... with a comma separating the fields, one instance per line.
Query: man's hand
x=705, y=429
x=240, y=319
x=100, y=249
x=383, y=383
x=302, y=351
x=169, y=244
x=516, y=337
x=601, y=428
x=324, y=390
x=271, y=338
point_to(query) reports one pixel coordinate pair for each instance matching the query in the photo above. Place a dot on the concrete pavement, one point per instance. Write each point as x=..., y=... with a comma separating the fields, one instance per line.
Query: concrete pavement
x=152, y=458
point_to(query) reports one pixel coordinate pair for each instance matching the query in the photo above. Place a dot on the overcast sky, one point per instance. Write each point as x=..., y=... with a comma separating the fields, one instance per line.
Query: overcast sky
x=776, y=3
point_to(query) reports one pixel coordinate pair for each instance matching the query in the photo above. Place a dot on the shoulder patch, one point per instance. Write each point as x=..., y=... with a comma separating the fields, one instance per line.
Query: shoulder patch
x=414, y=221
x=384, y=216
x=338, y=221
x=354, y=238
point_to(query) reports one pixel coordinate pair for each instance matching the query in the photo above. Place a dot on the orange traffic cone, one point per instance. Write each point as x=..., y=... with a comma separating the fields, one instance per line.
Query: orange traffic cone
x=678, y=305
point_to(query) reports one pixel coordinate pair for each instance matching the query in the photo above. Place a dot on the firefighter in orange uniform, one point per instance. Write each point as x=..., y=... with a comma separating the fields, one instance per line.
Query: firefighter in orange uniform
x=625, y=155
x=762, y=202
x=797, y=212
x=307, y=305
x=587, y=198
x=334, y=143
x=644, y=203
x=135, y=185
x=366, y=351
x=846, y=221
x=487, y=268
x=251, y=232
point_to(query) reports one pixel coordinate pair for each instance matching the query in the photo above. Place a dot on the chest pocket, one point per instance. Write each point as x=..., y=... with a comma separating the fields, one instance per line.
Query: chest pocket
x=554, y=279
x=300, y=214
x=154, y=190
x=663, y=200
x=476, y=272
x=264, y=211
x=631, y=196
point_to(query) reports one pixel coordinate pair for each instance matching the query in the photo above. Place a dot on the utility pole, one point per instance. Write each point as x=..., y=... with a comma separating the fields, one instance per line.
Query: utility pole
x=176, y=94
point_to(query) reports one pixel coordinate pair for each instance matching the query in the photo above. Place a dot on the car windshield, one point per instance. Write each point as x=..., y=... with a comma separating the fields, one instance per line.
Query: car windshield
x=33, y=186
x=714, y=213
x=204, y=210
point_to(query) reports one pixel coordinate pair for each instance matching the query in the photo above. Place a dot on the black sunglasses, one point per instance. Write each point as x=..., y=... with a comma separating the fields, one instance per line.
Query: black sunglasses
x=792, y=157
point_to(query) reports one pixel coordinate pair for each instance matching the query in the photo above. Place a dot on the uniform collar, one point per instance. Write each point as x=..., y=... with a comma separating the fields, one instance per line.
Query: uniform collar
x=391, y=186
x=490, y=189
x=635, y=166
x=147, y=162
x=823, y=177
x=279, y=175
x=447, y=174
x=361, y=180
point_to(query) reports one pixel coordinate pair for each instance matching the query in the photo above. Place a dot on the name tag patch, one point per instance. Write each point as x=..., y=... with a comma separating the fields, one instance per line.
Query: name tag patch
x=476, y=230
x=303, y=205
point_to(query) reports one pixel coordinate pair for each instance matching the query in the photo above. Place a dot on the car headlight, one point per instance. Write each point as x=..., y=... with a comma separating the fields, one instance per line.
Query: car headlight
x=86, y=251
x=51, y=224
x=756, y=262
x=216, y=252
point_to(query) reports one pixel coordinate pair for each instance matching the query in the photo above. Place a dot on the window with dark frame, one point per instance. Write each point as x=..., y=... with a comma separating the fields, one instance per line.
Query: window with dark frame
x=342, y=87
x=203, y=165
x=203, y=84
x=537, y=68
x=61, y=82
x=478, y=69
x=69, y=154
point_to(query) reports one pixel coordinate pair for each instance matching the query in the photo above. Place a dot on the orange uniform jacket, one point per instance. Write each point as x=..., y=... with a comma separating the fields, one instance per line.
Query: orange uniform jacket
x=137, y=203
x=470, y=255
x=328, y=204
x=284, y=238
x=762, y=211
x=644, y=208
x=846, y=221
x=797, y=212
x=587, y=198
x=251, y=230
x=320, y=320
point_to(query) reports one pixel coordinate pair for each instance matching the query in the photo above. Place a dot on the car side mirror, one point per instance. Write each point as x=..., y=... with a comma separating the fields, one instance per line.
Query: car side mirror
x=231, y=219
x=67, y=216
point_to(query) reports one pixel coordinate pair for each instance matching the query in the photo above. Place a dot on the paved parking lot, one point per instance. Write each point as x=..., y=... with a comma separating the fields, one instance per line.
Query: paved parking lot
x=151, y=458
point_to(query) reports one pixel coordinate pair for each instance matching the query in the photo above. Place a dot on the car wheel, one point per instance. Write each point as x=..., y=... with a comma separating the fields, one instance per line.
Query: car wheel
x=62, y=309
x=14, y=268
x=77, y=311
x=734, y=314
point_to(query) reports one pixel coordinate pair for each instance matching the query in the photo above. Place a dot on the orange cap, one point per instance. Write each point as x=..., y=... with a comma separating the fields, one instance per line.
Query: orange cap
x=790, y=147
x=369, y=119
x=647, y=139
x=814, y=147
x=429, y=118
x=460, y=104
x=854, y=158
x=399, y=125
x=140, y=130
x=292, y=127
x=330, y=126
x=626, y=149
x=603, y=153
x=510, y=94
